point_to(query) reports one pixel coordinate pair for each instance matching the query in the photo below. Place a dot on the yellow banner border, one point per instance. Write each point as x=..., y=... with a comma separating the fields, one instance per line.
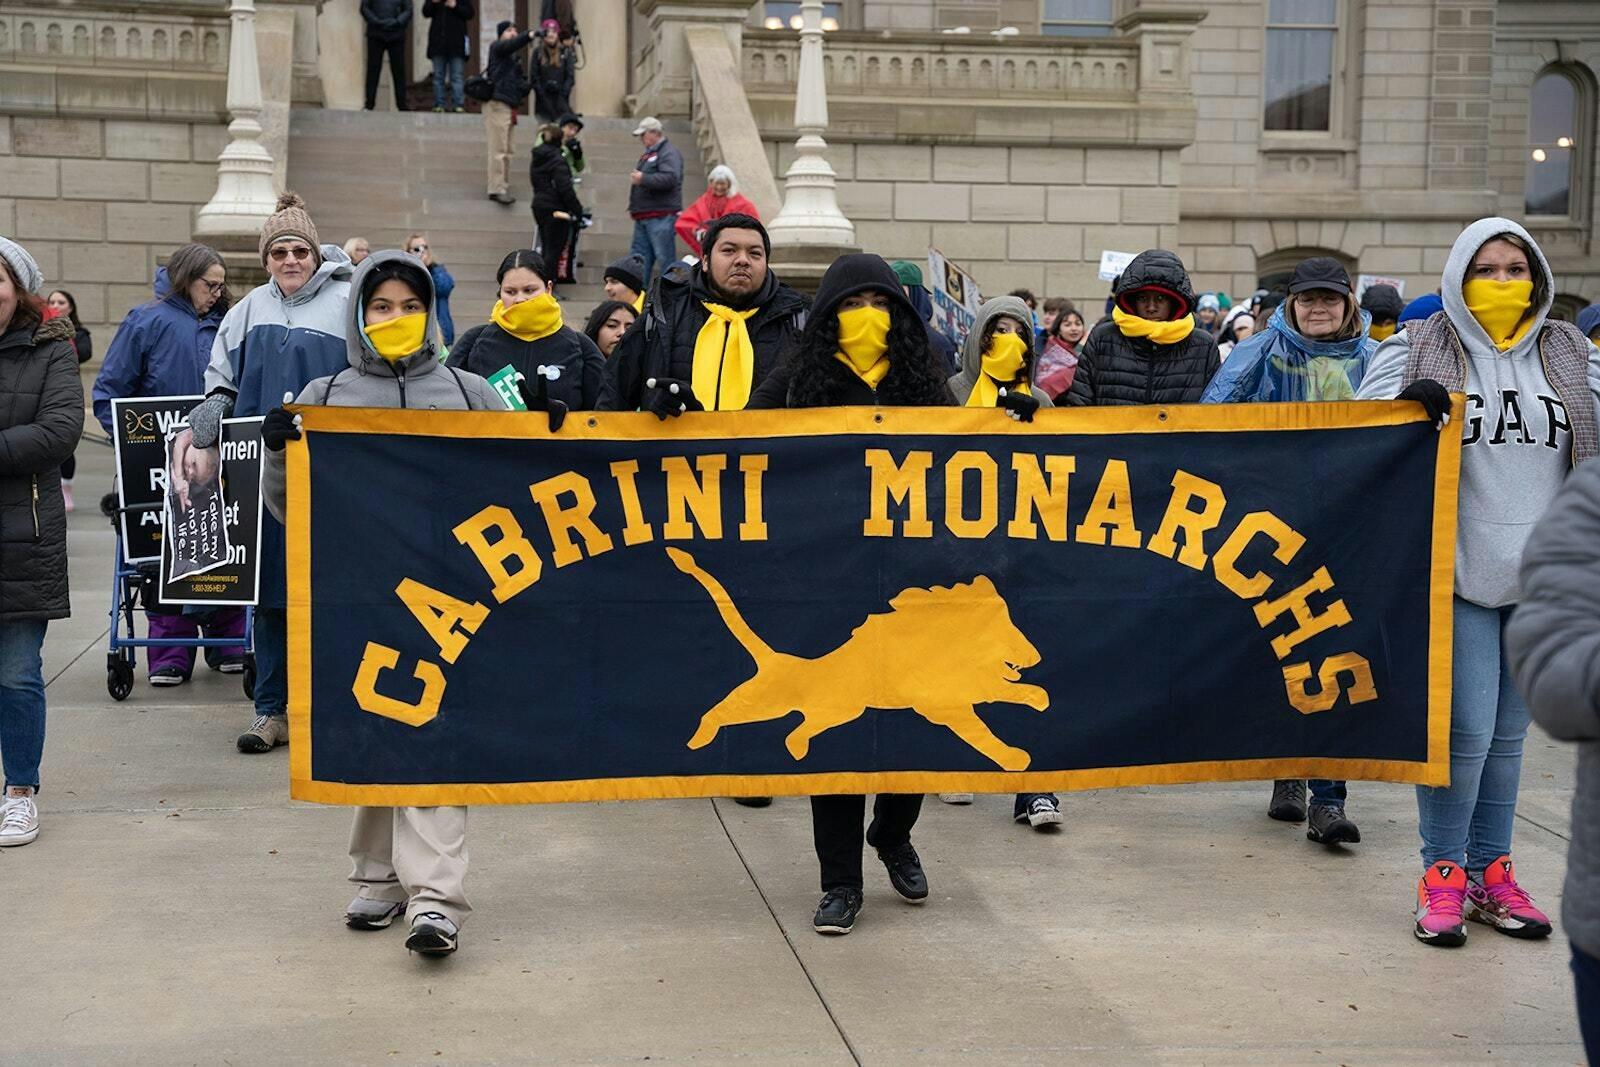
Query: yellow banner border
x=888, y=422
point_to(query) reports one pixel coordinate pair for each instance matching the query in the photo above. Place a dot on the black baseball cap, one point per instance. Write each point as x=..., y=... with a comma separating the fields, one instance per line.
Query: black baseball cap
x=1321, y=272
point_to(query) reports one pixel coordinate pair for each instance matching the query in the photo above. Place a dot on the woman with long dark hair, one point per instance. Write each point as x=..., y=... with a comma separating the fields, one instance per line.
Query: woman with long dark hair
x=607, y=323
x=64, y=303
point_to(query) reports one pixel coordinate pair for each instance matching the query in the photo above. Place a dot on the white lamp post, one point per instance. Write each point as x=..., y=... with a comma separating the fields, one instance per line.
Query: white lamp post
x=810, y=214
x=245, y=194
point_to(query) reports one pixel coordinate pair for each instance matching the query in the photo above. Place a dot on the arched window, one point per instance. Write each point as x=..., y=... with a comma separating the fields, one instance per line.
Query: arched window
x=1553, y=144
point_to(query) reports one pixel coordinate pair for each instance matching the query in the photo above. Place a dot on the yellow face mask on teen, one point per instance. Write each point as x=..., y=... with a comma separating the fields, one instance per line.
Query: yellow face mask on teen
x=398, y=338
x=529, y=320
x=1501, y=308
x=1381, y=333
x=864, y=338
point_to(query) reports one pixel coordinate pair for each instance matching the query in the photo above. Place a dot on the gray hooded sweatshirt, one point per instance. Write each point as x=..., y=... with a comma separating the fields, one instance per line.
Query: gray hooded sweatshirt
x=1516, y=449
x=419, y=381
x=972, y=349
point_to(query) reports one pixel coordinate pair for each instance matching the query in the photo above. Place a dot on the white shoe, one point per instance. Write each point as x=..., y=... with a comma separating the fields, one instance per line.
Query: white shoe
x=19, y=820
x=365, y=913
x=956, y=798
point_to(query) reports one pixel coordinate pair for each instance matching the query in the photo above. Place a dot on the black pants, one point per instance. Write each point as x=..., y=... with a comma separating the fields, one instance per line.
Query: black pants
x=1586, y=978
x=69, y=467
x=397, y=60
x=552, y=239
x=836, y=827
x=550, y=102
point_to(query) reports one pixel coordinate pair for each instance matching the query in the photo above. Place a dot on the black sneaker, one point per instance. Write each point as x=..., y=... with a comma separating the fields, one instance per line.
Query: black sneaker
x=753, y=802
x=1288, y=800
x=905, y=872
x=432, y=934
x=1328, y=826
x=1043, y=814
x=168, y=676
x=231, y=665
x=838, y=910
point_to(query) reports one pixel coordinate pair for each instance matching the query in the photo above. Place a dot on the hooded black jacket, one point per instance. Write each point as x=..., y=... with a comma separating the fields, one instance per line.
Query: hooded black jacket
x=1115, y=369
x=582, y=386
x=660, y=343
x=447, y=27
x=552, y=181
x=812, y=377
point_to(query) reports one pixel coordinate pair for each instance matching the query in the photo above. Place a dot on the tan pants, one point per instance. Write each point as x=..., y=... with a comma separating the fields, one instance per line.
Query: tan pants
x=416, y=855
x=497, y=123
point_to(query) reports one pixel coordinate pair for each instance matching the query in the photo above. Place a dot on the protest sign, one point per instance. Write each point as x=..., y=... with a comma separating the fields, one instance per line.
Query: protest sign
x=1367, y=281
x=139, y=435
x=234, y=578
x=1113, y=264
x=955, y=298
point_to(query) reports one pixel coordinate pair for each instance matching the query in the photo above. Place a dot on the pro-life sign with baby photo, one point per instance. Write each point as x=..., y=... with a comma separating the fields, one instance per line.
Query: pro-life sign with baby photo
x=859, y=600
x=210, y=553
x=140, y=427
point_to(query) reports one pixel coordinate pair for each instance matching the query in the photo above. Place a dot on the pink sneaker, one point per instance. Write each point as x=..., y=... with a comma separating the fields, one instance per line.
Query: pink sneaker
x=1501, y=903
x=1441, y=896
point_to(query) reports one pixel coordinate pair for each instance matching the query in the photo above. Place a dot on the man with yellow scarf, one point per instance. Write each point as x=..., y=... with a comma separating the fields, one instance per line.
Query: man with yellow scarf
x=1150, y=351
x=707, y=340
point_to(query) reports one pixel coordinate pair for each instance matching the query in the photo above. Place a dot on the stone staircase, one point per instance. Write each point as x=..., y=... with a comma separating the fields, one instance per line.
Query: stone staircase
x=382, y=175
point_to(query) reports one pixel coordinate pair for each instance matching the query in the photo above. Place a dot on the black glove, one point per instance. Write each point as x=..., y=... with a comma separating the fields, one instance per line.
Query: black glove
x=537, y=398
x=278, y=427
x=670, y=397
x=1019, y=406
x=1433, y=398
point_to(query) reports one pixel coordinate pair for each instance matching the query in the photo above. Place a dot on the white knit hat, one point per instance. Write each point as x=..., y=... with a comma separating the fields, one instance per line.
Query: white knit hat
x=21, y=264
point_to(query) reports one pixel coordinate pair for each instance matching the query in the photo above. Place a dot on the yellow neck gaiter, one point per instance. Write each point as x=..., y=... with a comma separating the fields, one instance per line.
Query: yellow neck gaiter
x=724, y=359
x=638, y=303
x=1161, y=333
x=1501, y=308
x=398, y=338
x=1004, y=361
x=864, y=343
x=1381, y=333
x=529, y=320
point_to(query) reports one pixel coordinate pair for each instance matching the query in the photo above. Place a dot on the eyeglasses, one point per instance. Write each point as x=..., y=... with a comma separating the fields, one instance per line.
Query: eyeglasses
x=278, y=255
x=215, y=287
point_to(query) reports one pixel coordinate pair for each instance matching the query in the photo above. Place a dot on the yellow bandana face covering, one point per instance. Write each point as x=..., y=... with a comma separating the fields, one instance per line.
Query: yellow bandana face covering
x=1381, y=333
x=1501, y=308
x=1004, y=361
x=529, y=320
x=397, y=338
x=724, y=359
x=864, y=343
x=1161, y=333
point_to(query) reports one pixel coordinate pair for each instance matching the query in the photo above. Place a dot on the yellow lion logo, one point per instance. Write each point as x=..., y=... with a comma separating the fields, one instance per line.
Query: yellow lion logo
x=937, y=652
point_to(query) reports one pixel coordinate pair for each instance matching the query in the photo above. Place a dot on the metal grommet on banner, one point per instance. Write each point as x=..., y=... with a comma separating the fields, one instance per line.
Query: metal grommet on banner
x=593, y=422
x=878, y=418
x=1162, y=415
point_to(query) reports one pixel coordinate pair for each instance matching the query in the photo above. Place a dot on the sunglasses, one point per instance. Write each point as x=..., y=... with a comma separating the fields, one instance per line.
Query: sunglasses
x=415, y=249
x=278, y=255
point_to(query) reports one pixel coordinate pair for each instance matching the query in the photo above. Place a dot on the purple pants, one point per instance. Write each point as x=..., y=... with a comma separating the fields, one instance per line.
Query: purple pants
x=222, y=622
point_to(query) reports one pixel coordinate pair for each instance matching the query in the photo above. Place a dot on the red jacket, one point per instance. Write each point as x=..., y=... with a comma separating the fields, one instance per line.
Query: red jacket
x=698, y=215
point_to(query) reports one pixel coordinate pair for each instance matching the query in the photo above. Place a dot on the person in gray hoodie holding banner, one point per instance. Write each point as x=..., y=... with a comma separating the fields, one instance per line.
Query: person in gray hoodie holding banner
x=1554, y=643
x=1531, y=385
x=408, y=861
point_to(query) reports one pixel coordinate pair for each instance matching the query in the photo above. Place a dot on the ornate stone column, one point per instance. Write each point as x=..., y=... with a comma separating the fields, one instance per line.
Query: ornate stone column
x=810, y=231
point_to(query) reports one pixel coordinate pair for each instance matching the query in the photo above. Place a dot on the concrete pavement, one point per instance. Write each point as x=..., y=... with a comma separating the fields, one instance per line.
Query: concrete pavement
x=178, y=908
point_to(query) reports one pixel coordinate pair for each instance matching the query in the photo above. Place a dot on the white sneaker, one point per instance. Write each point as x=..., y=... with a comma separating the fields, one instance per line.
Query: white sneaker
x=365, y=913
x=956, y=798
x=19, y=820
x=432, y=934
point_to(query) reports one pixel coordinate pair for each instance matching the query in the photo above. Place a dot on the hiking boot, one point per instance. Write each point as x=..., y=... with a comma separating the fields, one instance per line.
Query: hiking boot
x=1499, y=902
x=1441, y=896
x=753, y=802
x=1044, y=813
x=905, y=872
x=432, y=934
x=265, y=734
x=19, y=819
x=1288, y=800
x=838, y=910
x=956, y=798
x=367, y=914
x=166, y=677
x=1329, y=826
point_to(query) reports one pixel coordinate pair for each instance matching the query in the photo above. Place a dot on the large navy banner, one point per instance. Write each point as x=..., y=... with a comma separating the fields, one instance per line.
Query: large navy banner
x=855, y=600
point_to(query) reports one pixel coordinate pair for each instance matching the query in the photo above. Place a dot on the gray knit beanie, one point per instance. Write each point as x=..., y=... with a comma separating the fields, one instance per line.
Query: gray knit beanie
x=21, y=264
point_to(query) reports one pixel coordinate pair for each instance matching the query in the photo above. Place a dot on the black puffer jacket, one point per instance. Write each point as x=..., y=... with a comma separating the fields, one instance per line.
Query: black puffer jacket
x=1114, y=369
x=582, y=385
x=507, y=70
x=660, y=343
x=447, y=27
x=552, y=181
x=41, y=416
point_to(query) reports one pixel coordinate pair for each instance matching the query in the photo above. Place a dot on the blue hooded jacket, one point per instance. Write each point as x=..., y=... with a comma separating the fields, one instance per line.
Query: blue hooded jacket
x=1282, y=364
x=161, y=349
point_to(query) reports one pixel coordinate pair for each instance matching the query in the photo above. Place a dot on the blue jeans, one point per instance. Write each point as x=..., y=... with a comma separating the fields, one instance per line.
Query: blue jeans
x=449, y=71
x=1327, y=793
x=1586, y=983
x=21, y=701
x=272, y=661
x=655, y=243
x=1469, y=821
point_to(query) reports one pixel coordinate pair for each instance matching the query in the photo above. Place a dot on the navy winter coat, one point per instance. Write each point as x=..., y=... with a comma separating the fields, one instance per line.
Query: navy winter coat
x=161, y=349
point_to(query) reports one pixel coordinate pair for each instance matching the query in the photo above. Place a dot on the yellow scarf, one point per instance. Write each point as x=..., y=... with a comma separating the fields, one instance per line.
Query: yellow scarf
x=1161, y=333
x=1004, y=361
x=398, y=338
x=724, y=359
x=529, y=320
x=1381, y=333
x=864, y=343
x=1501, y=308
x=638, y=303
